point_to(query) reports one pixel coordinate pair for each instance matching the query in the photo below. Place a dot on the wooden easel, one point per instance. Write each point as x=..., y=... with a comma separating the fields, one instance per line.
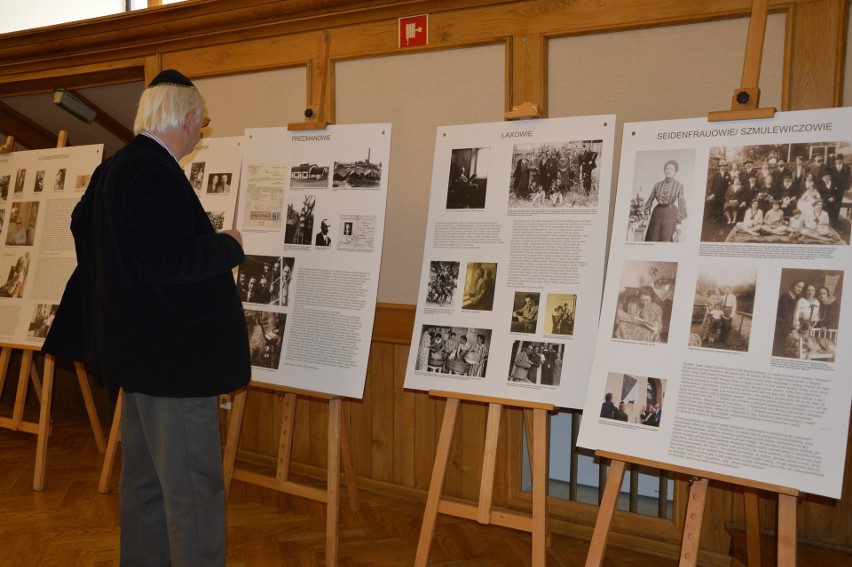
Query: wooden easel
x=44, y=392
x=534, y=413
x=695, y=512
x=339, y=452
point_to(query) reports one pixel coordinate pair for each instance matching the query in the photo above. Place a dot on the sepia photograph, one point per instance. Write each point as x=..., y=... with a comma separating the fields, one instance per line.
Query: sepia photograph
x=259, y=280
x=467, y=186
x=20, y=179
x=778, y=194
x=555, y=174
x=39, y=181
x=41, y=320
x=645, y=301
x=723, y=307
x=266, y=334
x=357, y=172
x=22, y=223
x=634, y=399
x=59, y=183
x=309, y=175
x=807, y=320
x=219, y=183
x=536, y=363
x=300, y=220
x=5, y=180
x=479, y=286
x=453, y=350
x=196, y=175
x=217, y=219
x=443, y=282
x=559, y=319
x=658, y=207
x=525, y=312
x=16, y=268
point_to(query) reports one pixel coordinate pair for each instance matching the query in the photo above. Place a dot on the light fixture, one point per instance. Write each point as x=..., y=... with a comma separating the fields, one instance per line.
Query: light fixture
x=73, y=105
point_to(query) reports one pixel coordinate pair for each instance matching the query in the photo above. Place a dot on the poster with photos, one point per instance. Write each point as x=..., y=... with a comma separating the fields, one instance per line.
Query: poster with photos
x=38, y=191
x=513, y=264
x=311, y=210
x=213, y=170
x=724, y=340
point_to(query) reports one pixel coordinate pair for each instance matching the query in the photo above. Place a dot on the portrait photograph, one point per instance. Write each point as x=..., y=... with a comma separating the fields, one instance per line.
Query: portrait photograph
x=22, y=224
x=300, y=220
x=20, y=179
x=808, y=315
x=266, y=334
x=259, y=280
x=555, y=174
x=196, y=174
x=59, y=183
x=461, y=351
x=633, y=399
x=466, y=187
x=559, y=318
x=357, y=171
x=645, y=301
x=219, y=183
x=525, y=312
x=288, y=265
x=658, y=208
x=309, y=175
x=39, y=181
x=533, y=362
x=479, y=286
x=14, y=268
x=778, y=194
x=5, y=180
x=41, y=320
x=443, y=282
x=723, y=307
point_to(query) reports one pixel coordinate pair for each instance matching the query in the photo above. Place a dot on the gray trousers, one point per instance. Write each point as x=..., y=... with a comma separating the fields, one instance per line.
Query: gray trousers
x=171, y=493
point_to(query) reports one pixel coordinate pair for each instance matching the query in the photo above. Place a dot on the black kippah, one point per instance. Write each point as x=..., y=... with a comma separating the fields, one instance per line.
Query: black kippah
x=171, y=77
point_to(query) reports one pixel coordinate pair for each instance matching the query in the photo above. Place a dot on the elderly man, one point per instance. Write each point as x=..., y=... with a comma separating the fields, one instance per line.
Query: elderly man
x=153, y=308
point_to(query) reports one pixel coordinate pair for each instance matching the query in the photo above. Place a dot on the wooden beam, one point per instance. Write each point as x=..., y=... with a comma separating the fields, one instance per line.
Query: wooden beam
x=27, y=133
x=106, y=121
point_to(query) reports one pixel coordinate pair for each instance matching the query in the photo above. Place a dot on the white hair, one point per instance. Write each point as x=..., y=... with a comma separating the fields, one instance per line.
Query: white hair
x=162, y=108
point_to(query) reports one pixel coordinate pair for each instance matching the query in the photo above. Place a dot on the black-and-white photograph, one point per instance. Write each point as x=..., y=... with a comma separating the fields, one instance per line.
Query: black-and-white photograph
x=5, y=181
x=288, y=266
x=807, y=320
x=443, y=282
x=217, y=219
x=59, y=183
x=41, y=320
x=359, y=171
x=16, y=268
x=22, y=228
x=2, y=219
x=39, y=181
x=645, y=301
x=196, y=175
x=20, y=179
x=323, y=236
x=525, y=312
x=534, y=362
x=658, y=208
x=555, y=174
x=479, y=286
x=468, y=182
x=724, y=306
x=309, y=175
x=300, y=220
x=634, y=399
x=219, y=183
x=559, y=319
x=266, y=334
x=259, y=280
x=453, y=350
x=778, y=194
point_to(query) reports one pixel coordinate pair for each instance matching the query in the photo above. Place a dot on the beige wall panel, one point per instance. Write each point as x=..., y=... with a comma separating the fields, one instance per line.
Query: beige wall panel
x=254, y=100
x=416, y=93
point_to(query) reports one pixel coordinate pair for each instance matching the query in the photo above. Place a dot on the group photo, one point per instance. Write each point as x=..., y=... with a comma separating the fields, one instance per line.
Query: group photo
x=633, y=399
x=778, y=194
x=443, y=282
x=453, y=350
x=723, y=307
x=555, y=174
x=559, y=317
x=645, y=301
x=535, y=362
x=808, y=316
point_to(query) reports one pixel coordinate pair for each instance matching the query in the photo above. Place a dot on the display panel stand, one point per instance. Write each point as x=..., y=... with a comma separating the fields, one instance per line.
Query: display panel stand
x=695, y=513
x=339, y=453
x=44, y=391
x=483, y=512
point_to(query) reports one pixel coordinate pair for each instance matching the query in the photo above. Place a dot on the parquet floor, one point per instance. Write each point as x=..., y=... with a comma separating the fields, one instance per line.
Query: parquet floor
x=70, y=524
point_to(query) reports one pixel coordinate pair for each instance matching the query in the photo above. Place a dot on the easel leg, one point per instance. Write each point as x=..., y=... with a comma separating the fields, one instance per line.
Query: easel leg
x=23, y=383
x=83, y=378
x=346, y=457
x=5, y=355
x=111, y=448
x=786, y=530
x=752, y=526
x=606, y=511
x=529, y=418
x=539, y=496
x=489, y=460
x=285, y=440
x=235, y=424
x=692, y=526
x=436, y=484
x=333, y=501
x=43, y=421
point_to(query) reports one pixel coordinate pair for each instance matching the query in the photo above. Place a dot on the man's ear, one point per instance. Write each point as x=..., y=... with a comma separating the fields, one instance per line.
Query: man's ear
x=187, y=120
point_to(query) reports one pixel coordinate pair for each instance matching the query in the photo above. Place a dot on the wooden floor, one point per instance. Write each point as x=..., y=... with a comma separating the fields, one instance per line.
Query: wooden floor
x=70, y=524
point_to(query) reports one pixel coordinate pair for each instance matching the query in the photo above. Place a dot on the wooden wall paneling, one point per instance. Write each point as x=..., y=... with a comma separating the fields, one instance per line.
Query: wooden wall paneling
x=471, y=448
x=302, y=439
x=426, y=418
x=405, y=424
x=382, y=406
x=318, y=433
x=360, y=424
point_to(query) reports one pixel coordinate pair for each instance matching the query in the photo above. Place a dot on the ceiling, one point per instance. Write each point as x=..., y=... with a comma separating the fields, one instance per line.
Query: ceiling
x=118, y=103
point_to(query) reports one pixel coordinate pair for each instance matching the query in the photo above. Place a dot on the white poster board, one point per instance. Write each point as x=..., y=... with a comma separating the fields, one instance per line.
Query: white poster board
x=729, y=346
x=514, y=256
x=311, y=210
x=38, y=192
x=213, y=170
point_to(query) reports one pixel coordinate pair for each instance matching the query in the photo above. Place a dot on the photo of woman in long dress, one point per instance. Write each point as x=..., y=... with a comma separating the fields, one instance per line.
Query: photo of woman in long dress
x=670, y=209
x=658, y=208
